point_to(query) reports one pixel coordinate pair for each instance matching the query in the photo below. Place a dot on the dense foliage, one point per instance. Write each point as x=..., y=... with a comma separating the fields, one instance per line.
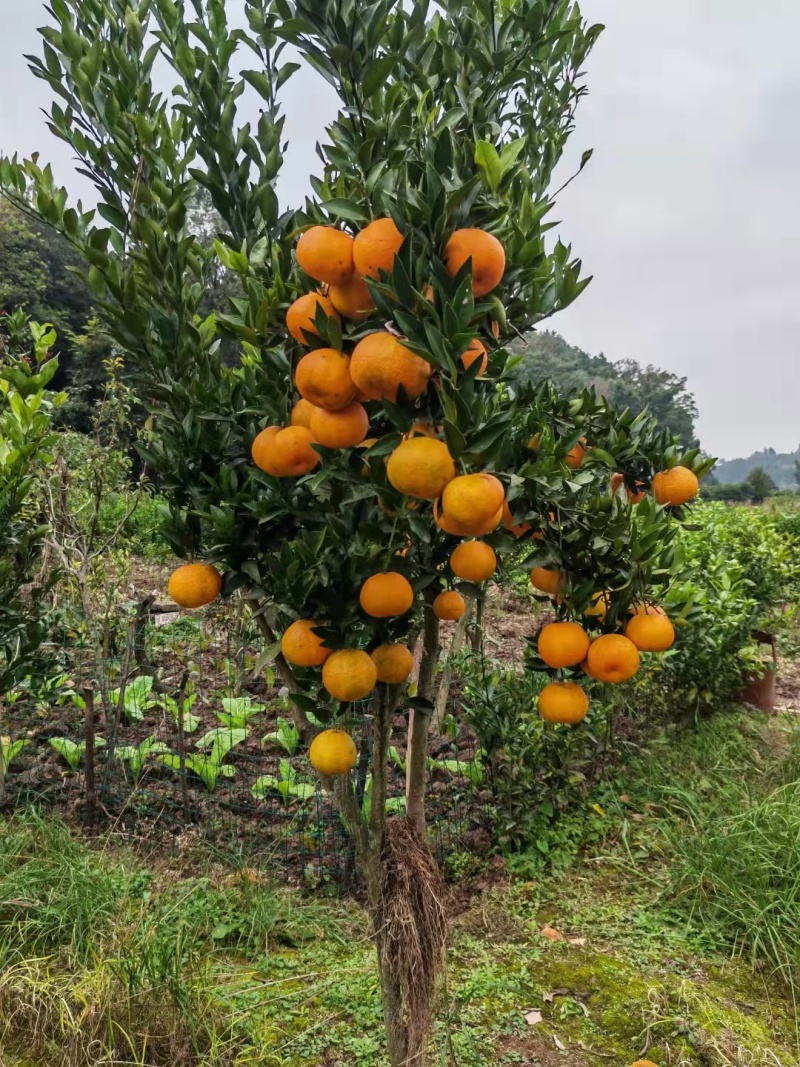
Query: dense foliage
x=26, y=437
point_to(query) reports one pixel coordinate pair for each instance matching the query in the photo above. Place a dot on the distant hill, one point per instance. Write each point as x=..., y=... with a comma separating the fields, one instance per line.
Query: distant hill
x=626, y=383
x=780, y=466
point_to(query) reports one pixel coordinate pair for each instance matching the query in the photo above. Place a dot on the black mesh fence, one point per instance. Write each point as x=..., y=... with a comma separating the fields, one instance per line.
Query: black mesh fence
x=177, y=725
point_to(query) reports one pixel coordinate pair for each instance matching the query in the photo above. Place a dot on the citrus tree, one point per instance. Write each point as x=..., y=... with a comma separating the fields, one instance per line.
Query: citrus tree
x=359, y=469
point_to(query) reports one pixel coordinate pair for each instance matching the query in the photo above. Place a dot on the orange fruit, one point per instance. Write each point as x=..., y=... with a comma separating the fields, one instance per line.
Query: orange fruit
x=333, y=752
x=644, y=1063
x=459, y=529
x=301, y=646
x=563, y=702
x=352, y=299
x=613, y=658
x=535, y=441
x=195, y=584
x=323, y=378
x=646, y=609
x=651, y=632
x=474, y=561
x=546, y=581
x=486, y=253
x=375, y=248
x=340, y=429
x=476, y=350
x=380, y=365
x=302, y=412
x=618, y=480
x=260, y=448
x=676, y=486
x=518, y=529
x=563, y=644
x=576, y=454
x=394, y=663
x=326, y=254
x=349, y=674
x=598, y=607
x=285, y=454
x=449, y=605
x=385, y=595
x=302, y=312
x=421, y=467
x=472, y=499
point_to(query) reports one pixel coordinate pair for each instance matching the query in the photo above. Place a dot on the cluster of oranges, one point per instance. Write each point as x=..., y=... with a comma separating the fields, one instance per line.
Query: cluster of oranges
x=611, y=657
x=334, y=386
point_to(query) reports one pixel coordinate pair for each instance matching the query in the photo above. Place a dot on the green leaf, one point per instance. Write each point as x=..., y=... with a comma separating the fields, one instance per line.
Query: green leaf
x=345, y=209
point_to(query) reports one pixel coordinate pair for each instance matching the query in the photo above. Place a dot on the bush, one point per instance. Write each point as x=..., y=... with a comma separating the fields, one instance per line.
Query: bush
x=534, y=772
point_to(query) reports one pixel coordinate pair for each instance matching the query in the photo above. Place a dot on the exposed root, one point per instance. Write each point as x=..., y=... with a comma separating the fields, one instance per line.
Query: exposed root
x=411, y=930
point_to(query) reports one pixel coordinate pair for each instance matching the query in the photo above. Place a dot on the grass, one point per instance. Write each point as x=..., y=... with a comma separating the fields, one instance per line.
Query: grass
x=690, y=877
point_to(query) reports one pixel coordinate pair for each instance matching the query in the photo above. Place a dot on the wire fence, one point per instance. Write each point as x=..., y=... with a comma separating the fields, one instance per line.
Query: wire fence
x=179, y=725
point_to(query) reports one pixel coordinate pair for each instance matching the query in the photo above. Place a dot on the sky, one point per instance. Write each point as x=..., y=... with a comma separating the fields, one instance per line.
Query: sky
x=687, y=216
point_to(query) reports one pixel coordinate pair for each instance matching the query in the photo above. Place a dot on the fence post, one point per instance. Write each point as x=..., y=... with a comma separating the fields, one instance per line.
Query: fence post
x=89, y=753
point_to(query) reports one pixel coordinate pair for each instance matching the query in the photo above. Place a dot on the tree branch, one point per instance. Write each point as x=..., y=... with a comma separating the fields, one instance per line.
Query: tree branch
x=417, y=753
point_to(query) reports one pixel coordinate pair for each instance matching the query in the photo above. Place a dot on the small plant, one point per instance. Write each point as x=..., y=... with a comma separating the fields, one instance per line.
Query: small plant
x=472, y=769
x=238, y=711
x=72, y=752
x=286, y=783
x=190, y=722
x=396, y=759
x=9, y=750
x=136, y=698
x=208, y=766
x=136, y=755
x=394, y=805
x=286, y=735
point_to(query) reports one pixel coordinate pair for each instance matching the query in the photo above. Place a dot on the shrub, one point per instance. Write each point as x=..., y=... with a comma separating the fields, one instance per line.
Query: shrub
x=535, y=773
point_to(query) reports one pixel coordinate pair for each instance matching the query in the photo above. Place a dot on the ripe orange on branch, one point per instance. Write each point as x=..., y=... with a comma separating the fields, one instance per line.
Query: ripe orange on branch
x=474, y=561
x=651, y=632
x=352, y=299
x=385, y=595
x=563, y=644
x=349, y=674
x=472, y=499
x=333, y=752
x=563, y=702
x=517, y=529
x=340, y=429
x=285, y=453
x=195, y=584
x=476, y=351
x=375, y=248
x=394, y=663
x=487, y=255
x=302, y=313
x=576, y=454
x=676, y=486
x=612, y=658
x=460, y=529
x=302, y=647
x=449, y=605
x=381, y=364
x=421, y=467
x=547, y=581
x=302, y=412
x=323, y=378
x=326, y=254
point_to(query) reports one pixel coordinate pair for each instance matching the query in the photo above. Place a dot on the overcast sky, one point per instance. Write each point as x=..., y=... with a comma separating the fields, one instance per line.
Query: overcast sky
x=688, y=216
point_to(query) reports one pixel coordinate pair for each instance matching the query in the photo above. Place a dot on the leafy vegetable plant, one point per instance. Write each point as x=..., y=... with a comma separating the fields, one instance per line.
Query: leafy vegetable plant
x=286, y=783
x=208, y=766
x=136, y=755
x=286, y=735
x=73, y=751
